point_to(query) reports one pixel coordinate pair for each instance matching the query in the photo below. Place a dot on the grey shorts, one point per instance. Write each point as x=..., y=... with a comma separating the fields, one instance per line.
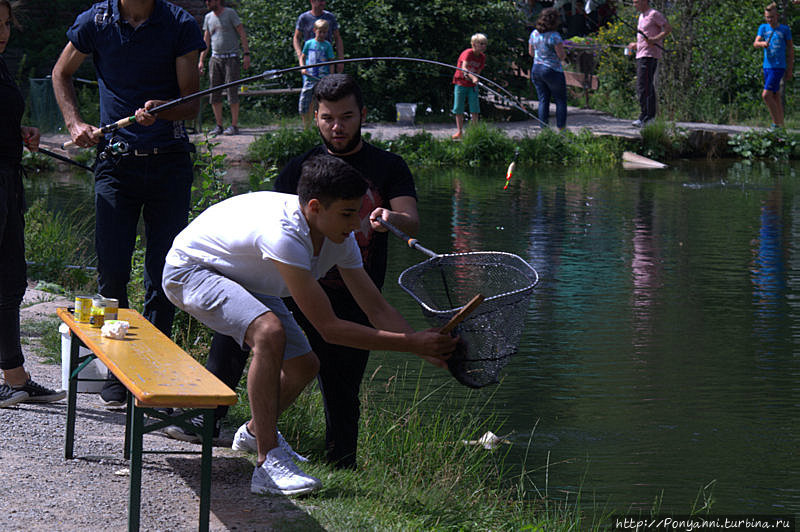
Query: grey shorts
x=224, y=70
x=227, y=307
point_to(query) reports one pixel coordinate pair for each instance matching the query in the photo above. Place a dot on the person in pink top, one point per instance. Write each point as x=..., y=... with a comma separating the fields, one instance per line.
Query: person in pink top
x=472, y=59
x=652, y=29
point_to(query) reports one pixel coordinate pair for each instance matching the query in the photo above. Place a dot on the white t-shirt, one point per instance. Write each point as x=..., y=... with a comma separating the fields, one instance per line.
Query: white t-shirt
x=238, y=238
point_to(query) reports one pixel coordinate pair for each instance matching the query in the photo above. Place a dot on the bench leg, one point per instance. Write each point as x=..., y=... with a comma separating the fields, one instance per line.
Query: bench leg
x=135, y=494
x=129, y=410
x=205, y=469
x=72, y=397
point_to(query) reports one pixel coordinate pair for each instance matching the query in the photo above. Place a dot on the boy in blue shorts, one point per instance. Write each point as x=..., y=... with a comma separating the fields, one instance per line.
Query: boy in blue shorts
x=316, y=50
x=472, y=59
x=776, y=40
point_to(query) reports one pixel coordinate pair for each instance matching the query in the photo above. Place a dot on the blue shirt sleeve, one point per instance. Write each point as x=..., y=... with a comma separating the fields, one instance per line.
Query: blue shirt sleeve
x=83, y=32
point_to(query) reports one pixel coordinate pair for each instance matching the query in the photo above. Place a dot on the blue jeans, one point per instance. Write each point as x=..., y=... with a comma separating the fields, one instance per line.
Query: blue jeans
x=13, y=270
x=157, y=187
x=549, y=84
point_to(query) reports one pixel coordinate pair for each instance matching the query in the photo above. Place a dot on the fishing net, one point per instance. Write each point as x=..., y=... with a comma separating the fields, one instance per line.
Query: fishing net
x=445, y=283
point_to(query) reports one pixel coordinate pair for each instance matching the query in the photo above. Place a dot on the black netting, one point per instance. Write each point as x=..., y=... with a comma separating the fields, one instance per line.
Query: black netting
x=445, y=283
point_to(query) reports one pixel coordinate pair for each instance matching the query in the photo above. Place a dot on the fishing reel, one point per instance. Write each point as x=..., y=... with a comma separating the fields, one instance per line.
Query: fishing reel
x=114, y=150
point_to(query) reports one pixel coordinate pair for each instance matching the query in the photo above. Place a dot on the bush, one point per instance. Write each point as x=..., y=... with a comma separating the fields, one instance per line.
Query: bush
x=436, y=30
x=775, y=144
x=58, y=246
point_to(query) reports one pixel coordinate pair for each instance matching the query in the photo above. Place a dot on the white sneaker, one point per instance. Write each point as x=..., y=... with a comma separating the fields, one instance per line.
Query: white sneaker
x=279, y=475
x=283, y=444
x=243, y=440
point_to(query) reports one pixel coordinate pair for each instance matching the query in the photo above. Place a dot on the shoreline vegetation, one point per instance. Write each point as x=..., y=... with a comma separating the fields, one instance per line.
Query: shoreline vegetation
x=414, y=472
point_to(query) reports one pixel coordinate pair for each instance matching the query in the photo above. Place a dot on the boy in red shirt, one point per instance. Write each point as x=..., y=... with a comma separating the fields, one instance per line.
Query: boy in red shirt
x=472, y=59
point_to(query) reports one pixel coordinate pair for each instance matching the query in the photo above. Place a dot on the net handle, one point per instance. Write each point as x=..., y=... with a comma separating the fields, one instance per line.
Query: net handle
x=462, y=314
x=412, y=242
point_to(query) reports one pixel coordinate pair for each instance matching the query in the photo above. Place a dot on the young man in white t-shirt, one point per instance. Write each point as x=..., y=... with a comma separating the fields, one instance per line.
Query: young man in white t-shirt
x=232, y=264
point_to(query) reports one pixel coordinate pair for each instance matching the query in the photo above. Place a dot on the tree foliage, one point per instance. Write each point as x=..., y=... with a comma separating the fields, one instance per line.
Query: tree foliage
x=710, y=70
x=431, y=29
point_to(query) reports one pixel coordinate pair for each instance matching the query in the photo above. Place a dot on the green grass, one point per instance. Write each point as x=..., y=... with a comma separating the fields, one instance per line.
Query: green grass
x=48, y=339
x=415, y=472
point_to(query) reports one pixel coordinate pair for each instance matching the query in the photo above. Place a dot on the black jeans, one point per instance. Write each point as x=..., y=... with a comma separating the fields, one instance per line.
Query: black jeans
x=646, y=68
x=341, y=370
x=157, y=188
x=13, y=270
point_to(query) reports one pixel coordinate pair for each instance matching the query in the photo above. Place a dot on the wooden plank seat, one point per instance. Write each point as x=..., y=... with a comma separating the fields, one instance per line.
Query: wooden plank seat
x=157, y=374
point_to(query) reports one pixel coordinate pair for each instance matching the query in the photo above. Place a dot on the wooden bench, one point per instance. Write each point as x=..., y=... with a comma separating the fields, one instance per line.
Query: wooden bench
x=158, y=374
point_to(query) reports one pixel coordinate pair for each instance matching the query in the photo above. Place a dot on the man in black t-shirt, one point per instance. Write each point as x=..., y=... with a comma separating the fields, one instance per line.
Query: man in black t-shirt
x=391, y=196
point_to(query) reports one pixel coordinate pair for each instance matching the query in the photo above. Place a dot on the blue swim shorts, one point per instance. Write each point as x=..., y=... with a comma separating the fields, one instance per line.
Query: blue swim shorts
x=471, y=94
x=772, y=79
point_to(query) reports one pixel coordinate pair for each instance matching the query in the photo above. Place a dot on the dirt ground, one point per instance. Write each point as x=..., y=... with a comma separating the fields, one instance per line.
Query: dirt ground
x=40, y=490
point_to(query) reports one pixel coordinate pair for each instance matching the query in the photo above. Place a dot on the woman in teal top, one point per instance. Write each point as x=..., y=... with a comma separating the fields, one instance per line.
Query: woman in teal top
x=547, y=49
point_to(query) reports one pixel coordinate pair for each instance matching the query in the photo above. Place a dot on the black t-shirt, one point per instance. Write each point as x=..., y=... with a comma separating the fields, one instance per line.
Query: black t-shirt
x=389, y=178
x=11, y=108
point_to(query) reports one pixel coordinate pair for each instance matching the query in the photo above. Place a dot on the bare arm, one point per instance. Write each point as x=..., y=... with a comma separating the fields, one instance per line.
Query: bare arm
x=245, y=46
x=297, y=42
x=403, y=215
x=399, y=336
x=561, y=52
x=201, y=63
x=467, y=72
x=337, y=37
x=82, y=134
x=789, y=59
x=188, y=83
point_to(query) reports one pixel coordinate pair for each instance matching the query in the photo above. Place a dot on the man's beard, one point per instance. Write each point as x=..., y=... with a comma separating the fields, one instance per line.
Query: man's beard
x=350, y=146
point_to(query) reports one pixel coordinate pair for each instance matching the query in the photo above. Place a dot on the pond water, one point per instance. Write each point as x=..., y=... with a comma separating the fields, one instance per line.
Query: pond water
x=659, y=356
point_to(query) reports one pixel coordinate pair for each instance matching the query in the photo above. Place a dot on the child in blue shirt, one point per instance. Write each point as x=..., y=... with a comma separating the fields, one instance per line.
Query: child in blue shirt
x=776, y=40
x=316, y=50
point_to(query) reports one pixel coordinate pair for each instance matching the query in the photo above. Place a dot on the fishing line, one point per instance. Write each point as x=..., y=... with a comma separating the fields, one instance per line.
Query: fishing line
x=497, y=89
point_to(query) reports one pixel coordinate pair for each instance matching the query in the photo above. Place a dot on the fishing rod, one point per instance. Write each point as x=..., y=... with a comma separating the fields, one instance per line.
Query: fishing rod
x=62, y=158
x=275, y=73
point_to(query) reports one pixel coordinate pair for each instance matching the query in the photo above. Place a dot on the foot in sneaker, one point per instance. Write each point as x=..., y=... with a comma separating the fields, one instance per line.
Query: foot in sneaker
x=216, y=131
x=38, y=393
x=279, y=475
x=244, y=440
x=193, y=436
x=10, y=396
x=231, y=130
x=114, y=394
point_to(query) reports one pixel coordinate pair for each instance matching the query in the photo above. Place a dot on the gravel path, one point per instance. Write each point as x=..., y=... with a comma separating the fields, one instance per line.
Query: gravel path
x=42, y=491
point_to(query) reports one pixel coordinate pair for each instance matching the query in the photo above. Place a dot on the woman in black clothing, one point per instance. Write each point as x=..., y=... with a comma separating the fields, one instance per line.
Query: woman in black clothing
x=18, y=385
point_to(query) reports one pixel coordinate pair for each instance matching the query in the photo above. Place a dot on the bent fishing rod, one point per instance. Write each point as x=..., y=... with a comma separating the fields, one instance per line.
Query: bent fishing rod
x=275, y=73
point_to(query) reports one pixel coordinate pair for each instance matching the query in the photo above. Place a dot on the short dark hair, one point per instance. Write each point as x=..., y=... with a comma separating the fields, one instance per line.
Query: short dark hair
x=335, y=87
x=328, y=178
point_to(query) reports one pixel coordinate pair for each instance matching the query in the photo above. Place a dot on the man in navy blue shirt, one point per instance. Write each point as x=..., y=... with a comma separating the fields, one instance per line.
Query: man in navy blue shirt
x=145, y=53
